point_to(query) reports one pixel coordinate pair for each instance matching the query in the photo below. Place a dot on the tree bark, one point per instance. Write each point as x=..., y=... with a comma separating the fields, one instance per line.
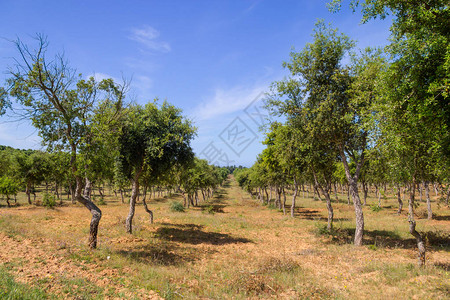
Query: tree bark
x=134, y=193
x=348, y=194
x=399, y=199
x=379, y=197
x=365, y=191
x=28, y=192
x=448, y=196
x=144, y=196
x=335, y=192
x=87, y=188
x=412, y=226
x=427, y=195
x=121, y=196
x=95, y=211
x=328, y=200
x=294, y=197
x=353, y=188
x=284, y=201
x=420, y=191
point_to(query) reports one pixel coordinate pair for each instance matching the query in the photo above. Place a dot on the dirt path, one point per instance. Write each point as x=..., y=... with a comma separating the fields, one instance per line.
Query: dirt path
x=36, y=261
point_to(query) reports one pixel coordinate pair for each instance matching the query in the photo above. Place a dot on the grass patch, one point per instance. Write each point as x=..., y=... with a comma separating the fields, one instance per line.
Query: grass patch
x=49, y=200
x=80, y=288
x=10, y=289
x=176, y=206
x=375, y=208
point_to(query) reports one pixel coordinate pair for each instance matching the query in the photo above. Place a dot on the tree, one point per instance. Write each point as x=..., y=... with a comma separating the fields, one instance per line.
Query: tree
x=59, y=104
x=331, y=105
x=415, y=111
x=4, y=102
x=8, y=187
x=31, y=169
x=152, y=139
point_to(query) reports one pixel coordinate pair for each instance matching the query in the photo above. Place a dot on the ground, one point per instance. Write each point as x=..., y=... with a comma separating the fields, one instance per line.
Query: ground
x=230, y=247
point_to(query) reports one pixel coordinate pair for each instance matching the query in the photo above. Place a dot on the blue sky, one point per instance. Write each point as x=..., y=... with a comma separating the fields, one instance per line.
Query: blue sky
x=210, y=58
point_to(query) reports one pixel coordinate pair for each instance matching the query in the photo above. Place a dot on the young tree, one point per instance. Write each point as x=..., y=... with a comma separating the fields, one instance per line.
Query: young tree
x=152, y=139
x=60, y=106
x=8, y=187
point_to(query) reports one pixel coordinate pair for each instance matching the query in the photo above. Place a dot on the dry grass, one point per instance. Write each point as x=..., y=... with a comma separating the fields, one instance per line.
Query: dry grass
x=230, y=247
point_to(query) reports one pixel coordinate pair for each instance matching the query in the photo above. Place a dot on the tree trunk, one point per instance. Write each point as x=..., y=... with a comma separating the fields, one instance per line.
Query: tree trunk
x=121, y=196
x=335, y=192
x=359, y=230
x=328, y=200
x=28, y=192
x=420, y=191
x=72, y=192
x=57, y=191
x=87, y=188
x=379, y=198
x=100, y=191
x=284, y=201
x=134, y=193
x=448, y=196
x=348, y=194
x=144, y=196
x=353, y=187
x=365, y=190
x=294, y=197
x=412, y=226
x=399, y=199
x=95, y=211
x=427, y=195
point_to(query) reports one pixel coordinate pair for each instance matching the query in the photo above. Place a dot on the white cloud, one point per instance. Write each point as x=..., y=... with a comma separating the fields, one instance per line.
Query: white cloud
x=227, y=101
x=100, y=76
x=148, y=36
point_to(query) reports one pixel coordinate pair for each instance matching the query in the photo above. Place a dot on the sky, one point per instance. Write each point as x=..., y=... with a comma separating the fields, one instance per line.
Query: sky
x=214, y=59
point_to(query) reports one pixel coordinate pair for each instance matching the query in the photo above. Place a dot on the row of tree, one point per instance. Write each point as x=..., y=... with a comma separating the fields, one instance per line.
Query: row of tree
x=379, y=117
x=94, y=137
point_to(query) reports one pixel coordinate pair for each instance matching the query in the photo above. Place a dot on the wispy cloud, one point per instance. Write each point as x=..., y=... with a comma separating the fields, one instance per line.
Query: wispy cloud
x=143, y=86
x=148, y=37
x=227, y=101
x=100, y=76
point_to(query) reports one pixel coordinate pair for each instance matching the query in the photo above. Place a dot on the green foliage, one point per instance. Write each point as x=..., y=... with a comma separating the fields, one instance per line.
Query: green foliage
x=375, y=208
x=4, y=102
x=176, y=206
x=48, y=200
x=210, y=209
x=8, y=186
x=321, y=229
x=372, y=247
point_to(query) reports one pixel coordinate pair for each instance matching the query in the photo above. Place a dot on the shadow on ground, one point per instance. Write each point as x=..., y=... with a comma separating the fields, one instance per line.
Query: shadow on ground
x=390, y=239
x=193, y=234
x=156, y=254
x=312, y=214
x=442, y=218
